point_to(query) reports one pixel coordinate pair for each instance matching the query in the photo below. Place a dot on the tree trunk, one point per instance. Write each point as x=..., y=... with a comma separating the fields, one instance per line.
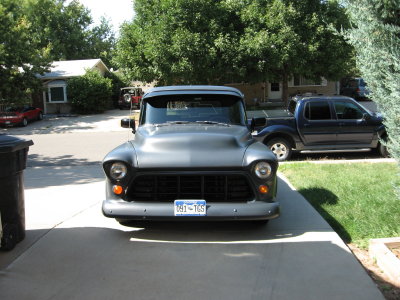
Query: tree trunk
x=285, y=88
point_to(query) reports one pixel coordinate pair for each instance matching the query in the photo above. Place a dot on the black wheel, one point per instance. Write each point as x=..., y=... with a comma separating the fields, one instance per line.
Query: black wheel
x=281, y=148
x=127, y=222
x=127, y=98
x=40, y=117
x=260, y=222
x=10, y=237
x=24, y=122
x=382, y=150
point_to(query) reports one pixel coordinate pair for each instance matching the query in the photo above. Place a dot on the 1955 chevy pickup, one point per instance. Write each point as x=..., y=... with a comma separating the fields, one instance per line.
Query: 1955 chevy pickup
x=192, y=158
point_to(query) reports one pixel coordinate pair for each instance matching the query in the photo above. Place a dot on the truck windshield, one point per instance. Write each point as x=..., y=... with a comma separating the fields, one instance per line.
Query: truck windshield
x=194, y=108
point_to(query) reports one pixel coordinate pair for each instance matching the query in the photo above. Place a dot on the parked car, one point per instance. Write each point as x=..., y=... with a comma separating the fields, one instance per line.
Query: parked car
x=355, y=88
x=20, y=115
x=323, y=124
x=192, y=158
x=130, y=97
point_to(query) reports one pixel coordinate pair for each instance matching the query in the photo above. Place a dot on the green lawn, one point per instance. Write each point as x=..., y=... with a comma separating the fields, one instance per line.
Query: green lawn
x=357, y=199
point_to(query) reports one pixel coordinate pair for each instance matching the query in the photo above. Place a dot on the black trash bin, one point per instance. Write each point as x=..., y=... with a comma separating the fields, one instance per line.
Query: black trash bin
x=13, y=155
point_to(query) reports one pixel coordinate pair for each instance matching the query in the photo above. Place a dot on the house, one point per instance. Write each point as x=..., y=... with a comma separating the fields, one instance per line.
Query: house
x=54, y=98
x=271, y=92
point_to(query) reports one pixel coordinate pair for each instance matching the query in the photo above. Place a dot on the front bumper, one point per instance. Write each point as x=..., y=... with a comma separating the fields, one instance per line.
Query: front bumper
x=257, y=210
x=10, y=121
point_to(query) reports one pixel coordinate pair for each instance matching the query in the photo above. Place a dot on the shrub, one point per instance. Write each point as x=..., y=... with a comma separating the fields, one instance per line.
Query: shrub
x=90, y=93
x=376, y=37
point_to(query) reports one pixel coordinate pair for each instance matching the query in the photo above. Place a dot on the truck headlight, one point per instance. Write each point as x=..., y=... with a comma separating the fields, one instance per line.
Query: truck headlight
x=118, y=171
x=263, y=170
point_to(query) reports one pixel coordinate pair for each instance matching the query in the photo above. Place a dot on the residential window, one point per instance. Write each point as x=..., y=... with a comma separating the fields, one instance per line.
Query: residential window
x=57, y=92
x=302, y=81
x=275, y=87
x=317, y=111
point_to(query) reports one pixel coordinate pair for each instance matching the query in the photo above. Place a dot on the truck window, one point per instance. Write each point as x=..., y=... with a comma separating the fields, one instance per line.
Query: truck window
x=347, y=110
x=317, y=111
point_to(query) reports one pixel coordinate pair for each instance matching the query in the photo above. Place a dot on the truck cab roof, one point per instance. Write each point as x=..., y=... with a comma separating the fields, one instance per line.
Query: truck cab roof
x=193, y=89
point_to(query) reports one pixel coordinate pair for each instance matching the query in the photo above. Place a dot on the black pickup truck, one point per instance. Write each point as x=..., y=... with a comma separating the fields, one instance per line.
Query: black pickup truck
x=323, y=124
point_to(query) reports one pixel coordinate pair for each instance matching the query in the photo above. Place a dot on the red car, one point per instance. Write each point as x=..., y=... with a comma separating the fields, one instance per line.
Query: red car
x=20, y=115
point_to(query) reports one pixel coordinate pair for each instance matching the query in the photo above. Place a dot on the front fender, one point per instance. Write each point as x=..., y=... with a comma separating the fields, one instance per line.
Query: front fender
x=381, y=131
x=256, y=152
x=125, y=152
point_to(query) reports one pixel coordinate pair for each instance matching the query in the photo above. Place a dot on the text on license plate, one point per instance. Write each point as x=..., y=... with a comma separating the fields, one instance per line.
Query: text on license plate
x=190, y=207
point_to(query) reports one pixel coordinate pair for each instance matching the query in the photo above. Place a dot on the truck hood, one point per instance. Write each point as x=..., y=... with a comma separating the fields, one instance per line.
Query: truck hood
x=191, y=146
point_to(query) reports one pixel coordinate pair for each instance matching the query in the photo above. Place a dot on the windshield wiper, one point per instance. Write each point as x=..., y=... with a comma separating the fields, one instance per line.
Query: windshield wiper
x=178, y=122
x=213, y=123
x=170, y=123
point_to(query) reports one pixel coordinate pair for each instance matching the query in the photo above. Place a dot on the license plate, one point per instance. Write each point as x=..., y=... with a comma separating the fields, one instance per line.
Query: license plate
x=190, y=208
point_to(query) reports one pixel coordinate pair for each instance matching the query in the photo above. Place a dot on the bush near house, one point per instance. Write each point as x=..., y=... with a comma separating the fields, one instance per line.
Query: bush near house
x=90, y=93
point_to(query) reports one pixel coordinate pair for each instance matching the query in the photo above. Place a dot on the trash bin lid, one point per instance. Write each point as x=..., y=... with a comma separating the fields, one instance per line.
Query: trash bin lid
x=10, y=143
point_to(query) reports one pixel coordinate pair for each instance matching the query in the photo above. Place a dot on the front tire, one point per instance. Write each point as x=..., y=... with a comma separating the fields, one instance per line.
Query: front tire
x=382, y=150
x=260, y=223
x=24, y=122
x=281, y=148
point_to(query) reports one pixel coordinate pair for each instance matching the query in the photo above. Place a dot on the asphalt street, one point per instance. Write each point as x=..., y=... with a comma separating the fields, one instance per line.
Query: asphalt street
x=71, y=251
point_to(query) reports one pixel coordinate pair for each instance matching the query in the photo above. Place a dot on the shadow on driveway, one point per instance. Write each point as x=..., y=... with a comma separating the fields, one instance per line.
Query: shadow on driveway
x=44, y=177
x=36, y=160
x=104, y=263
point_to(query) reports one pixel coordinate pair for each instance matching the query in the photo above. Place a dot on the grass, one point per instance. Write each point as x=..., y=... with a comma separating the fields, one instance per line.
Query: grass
x=357, y=199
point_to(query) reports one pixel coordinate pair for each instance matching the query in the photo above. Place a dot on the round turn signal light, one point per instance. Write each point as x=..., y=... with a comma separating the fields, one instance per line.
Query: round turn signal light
x=263, y=189
x=117, y=189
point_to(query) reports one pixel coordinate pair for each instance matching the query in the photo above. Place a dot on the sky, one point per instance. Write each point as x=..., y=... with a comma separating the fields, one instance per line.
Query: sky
x=116, y=11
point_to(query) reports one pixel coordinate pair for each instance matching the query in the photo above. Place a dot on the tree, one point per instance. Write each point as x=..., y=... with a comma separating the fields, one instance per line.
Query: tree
x=289, y=37
x=376, y=37
x=204, y=41
x=101, y=42
x=35, y=32
x=179, y=42
x=21, y=57
x=66, y=29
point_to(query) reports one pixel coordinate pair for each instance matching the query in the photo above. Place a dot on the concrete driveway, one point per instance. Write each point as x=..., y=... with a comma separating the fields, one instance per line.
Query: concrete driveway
x=72, y=252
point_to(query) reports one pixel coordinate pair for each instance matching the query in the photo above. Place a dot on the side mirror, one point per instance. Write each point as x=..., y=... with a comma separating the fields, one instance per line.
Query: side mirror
x=257, y=122
x=128, y=123
x=366, y=116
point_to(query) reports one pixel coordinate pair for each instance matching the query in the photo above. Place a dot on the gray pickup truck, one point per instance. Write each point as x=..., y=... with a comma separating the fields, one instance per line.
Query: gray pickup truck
x=192, y=158
x=323, y=124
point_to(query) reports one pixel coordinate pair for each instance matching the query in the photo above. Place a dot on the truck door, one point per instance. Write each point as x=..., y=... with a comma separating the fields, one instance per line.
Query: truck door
x=353, y=128
x=316, y=125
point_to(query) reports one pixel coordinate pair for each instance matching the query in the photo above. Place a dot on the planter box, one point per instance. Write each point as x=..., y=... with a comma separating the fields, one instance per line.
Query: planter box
x=389, y=263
